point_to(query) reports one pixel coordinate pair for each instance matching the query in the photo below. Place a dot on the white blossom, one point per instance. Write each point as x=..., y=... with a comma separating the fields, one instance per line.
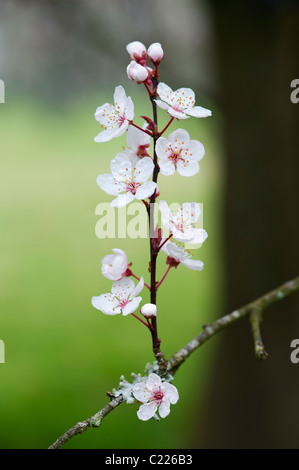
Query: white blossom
x=149, y=310
x=155, y=53
x=115, y=119
x=127, y=181
x=137, y=72
x=122, y=299
x=179, y=153
x=154, y=394
x=114, y=266
x=182, y=223
x=177, y=255
x=180, y=104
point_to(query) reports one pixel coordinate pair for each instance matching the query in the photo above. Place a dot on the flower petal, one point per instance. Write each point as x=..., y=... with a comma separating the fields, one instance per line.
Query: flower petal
x=147, y=411
x=177, y=114
x=146, y=190
x=198, y=112
x=144, y=170
x=162, y=105
x=120, y=98
x=166, y=214
x=164, y=91
x=106, y=303
x=122, y=200
x=138, y=288
x=131, y=306
x=194, y=264
x=121, y=167
x=171, y=392
x=162, y=148
x=141, y=392
x=179, y=136
x=167, y=167
x=187, y=169
x=107, y=134
x=164, y=408
x=153, y=381
x=108, y=184
x=123, y=288
x=129, y=109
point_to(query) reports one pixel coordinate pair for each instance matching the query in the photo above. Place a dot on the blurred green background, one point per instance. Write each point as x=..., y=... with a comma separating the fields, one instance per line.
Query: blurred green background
x=59, y=61
x=62, y=355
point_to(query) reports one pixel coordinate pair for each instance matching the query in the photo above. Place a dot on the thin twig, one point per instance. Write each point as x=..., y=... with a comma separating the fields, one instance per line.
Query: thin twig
x=255, y=318
x=178, y=358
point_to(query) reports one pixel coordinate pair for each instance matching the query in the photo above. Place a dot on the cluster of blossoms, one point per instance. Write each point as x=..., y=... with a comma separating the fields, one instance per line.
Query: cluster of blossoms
x=134, y=174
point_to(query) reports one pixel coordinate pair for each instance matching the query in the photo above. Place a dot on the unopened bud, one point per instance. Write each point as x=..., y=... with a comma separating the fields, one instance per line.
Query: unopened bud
x=149, y=310
x=155, y=53
x=137, y=72
x=137, y=51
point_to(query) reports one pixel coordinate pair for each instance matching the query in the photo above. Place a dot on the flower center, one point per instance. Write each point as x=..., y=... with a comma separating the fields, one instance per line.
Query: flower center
x=157, y=395
x=123, y=303
x=132, y=186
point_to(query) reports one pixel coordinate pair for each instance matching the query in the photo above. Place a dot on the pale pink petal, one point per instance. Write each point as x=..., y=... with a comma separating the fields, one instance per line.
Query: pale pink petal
x=107, y=183
x=146, y=190
x=177, y=114
x=141, y=392
x=196, y=150
x=107, y=134
x=162, y=105
x=187, y=169
x=138, y=288
x=179, y=136
x=153, y=381
x=167, y=167
x=132, y=306
x=147, y=411
x=106, y=303
x=122, y=200
x=121, y=167
x=164, y=408
x=120, y=98
x=123, y=288
x=194, y=264
x=199, y=112
x=129, y=109
x=162, y=148
x=164, y=92
x=171, y=392
x=144, y=170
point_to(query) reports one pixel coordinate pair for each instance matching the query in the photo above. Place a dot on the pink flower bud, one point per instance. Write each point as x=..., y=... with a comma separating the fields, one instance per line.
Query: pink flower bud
x=155, y=53
x=137, y=51
x=149, y=310
x=137, y=72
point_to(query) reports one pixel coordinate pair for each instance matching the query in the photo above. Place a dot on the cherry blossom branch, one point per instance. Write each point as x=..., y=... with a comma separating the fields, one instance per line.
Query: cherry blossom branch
x=165, y=241
x=93, y=421
x=258, y=305
x=255, y=318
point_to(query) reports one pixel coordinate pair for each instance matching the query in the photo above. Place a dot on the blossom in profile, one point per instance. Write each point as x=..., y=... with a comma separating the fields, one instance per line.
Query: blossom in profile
x=155, y=395
x=180, y=104
x=123, y=298
x=137, y=72
x=179, y=153
x=114, y=266
x=127, y=181
x=178, y=255
x=182, y=223
x=115, y=119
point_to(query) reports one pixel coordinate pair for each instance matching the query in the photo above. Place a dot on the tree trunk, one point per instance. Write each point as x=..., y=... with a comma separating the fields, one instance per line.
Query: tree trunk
x=255, y=404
